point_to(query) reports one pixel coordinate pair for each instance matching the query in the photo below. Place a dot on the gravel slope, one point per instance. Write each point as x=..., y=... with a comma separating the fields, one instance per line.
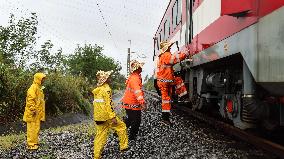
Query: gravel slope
x=187, y=138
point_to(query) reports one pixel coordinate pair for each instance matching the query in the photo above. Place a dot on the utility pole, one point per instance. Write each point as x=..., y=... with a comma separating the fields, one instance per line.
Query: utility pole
x=128, y=59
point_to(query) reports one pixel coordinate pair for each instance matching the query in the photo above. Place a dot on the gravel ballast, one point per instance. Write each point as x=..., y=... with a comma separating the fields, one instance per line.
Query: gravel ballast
x=187, y=138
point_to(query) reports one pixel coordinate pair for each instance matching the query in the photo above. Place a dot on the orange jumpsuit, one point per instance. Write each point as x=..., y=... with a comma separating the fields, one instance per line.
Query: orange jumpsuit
x=165, y=76
x=132, y=100
x=180, y=88
x=133, y=97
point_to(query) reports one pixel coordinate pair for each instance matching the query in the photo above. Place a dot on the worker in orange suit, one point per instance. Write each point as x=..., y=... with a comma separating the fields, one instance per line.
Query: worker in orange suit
x=180, y=88
x=34, y=110
x=133, y=100
x=165, y=76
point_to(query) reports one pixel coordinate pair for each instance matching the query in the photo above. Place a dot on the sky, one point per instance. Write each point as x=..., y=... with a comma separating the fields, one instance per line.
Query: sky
x=70, y=22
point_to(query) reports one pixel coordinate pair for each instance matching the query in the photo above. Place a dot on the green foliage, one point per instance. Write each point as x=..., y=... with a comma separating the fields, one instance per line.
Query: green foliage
x=149, y=83
x=17, y=40
x=69, y=79
x=10, y=141
x=46, y=60
x=14, y=83
x=66, y=93
x=88, y=60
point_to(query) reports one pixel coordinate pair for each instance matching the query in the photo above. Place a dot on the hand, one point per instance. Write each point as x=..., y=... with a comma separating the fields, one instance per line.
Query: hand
x=114, y=121
x=33, y=113
x=143, y=106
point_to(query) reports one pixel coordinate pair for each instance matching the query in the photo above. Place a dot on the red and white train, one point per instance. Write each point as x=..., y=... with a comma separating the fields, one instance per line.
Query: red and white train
x=237, y=48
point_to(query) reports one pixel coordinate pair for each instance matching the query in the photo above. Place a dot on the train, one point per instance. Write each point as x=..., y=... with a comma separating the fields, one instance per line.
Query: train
x=237, y=51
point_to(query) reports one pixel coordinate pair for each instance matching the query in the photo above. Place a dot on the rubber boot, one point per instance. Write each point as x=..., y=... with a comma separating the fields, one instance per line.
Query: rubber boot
x=166, y=118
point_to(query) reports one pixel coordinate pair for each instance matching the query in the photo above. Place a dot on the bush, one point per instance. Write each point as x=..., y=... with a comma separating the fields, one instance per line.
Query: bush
x=66, y=93
x=13, y=87
x=63, y=93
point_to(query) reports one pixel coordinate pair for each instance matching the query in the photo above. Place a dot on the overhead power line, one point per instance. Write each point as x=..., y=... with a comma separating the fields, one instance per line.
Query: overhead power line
x=107, y=27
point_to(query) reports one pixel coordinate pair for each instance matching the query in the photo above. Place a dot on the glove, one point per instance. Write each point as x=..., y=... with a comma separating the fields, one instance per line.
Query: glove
x=114, y=121
x=33, y=113
x=143, y=106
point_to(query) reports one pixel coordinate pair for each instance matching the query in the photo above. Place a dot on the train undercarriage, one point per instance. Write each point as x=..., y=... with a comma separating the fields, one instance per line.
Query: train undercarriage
x=227, y=88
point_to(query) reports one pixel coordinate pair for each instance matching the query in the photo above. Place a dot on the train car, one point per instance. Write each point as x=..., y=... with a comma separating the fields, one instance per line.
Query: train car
x=237, y=47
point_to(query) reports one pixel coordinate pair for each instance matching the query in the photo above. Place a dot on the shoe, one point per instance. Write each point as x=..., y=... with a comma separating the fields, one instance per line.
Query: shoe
x=132, y=138
x=32, y=148
x=124, y=150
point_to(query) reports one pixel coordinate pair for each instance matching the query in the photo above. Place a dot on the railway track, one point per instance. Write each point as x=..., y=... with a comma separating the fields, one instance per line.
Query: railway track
x=259, y=142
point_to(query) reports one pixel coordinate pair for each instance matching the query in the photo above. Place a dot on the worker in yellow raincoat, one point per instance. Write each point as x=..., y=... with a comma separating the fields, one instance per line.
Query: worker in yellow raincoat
x=34, y=110
x=104, y=116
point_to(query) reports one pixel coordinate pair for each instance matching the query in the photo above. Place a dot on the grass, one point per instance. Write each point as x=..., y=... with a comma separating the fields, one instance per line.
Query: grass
x=88, y=128
x=12, y=140
x=73, y=128
x=47, y=157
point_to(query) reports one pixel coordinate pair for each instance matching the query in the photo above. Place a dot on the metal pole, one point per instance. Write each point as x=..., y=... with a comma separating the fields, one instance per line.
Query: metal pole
x=128, y=58
x=128, y=62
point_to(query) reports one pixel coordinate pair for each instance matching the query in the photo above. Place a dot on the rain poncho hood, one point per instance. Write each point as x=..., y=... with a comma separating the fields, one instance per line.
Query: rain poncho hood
x=38, y=78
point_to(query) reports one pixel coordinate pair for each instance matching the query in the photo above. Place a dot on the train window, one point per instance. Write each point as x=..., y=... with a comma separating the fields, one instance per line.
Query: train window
x=176, y=13
x=193, y=1
x=167, y=29
x=179, y=11
x=161, y=36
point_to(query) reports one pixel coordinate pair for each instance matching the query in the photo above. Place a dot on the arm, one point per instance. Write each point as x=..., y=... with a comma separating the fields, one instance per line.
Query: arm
x=31, y=100
x=109, y=103
x=136, y=85
x=175, y=58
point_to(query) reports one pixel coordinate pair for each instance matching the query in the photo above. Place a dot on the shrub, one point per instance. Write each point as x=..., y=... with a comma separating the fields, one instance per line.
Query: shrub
x=66, y=93
x=13, y=87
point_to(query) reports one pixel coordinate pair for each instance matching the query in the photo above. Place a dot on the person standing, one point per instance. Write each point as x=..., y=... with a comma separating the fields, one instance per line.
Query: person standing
x=104, y=116
x=133, y=99
x=34, y=110
x=165, y=76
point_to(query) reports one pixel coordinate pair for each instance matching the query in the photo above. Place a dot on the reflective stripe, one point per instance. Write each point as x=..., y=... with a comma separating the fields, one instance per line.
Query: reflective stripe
x=166, y=101
x=182, y=94
x=179, y=86
x=99, y=100
x=134, y=91
x=132, y=106
x=165, y=80
x=137, y=91
x=187, y=53
x=140, y=98
x=128, y=89
x=166, y=110
x=166, y=66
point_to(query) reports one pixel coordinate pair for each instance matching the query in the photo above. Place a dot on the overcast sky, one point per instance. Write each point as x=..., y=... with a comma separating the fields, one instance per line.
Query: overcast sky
x=70, y=22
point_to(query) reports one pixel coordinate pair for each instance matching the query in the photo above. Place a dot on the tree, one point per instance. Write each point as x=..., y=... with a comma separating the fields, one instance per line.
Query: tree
x=46, y=60
x=149, y=84
x=17, y=40
x=88, y=60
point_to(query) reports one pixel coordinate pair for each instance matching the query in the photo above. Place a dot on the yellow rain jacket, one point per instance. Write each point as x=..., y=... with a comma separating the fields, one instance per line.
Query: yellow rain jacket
x=103, y=103
x=35, y=100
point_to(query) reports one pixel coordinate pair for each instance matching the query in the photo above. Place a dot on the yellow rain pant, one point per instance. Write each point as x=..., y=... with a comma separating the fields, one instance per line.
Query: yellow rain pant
x=102, y=132
x=32, y=134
